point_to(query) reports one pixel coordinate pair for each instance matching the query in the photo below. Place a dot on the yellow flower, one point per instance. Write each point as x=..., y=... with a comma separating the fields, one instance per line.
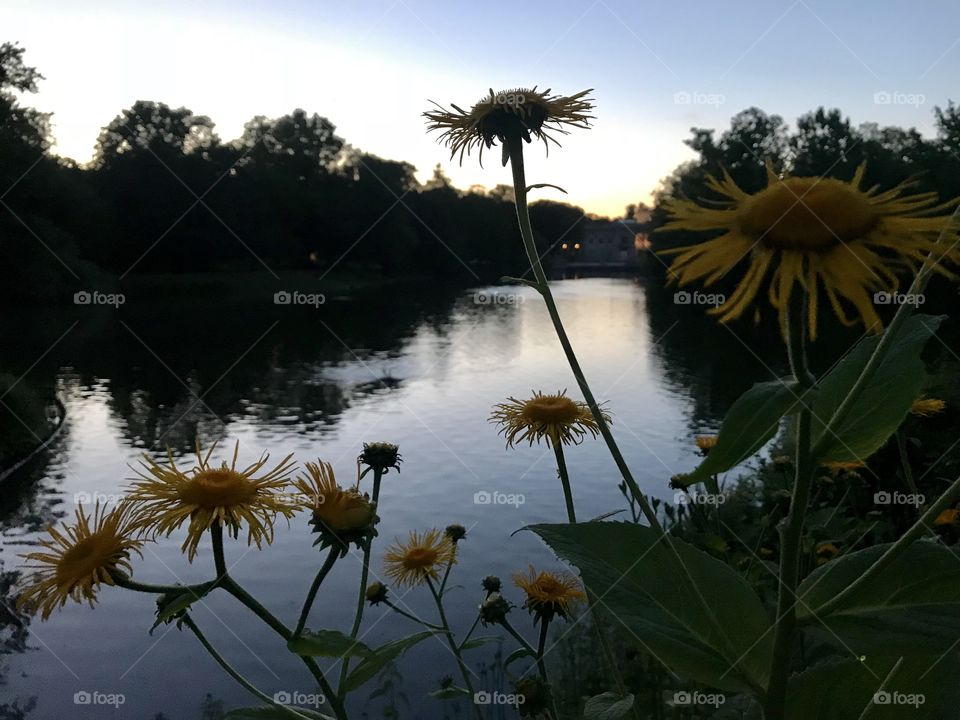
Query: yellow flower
x=809, y=232
x=509, y=115
x=205, y=495
x=79, y=558
x=706, y=443
x=334, y=508
x=555, y=418
x=423, y=556
x=924, y=407
x=549, y=593
x=947, y=517
x=826, y=552
x=839, y=466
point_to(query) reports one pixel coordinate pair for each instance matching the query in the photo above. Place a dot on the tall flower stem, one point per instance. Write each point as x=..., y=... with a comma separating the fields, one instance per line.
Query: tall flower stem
x=129, y=583
x=791, y=532
x=464, y=671
x=564, y=477
x=515, y=148
x=315, y=587
x=411, y=616
x=234, y=588
x=235, y=674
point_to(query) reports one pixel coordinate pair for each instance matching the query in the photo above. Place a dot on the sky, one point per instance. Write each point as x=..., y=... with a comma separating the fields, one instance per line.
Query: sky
x=371, y=66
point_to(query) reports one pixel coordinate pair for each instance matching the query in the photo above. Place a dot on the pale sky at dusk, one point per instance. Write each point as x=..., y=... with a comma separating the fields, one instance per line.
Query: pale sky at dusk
x=371, y=65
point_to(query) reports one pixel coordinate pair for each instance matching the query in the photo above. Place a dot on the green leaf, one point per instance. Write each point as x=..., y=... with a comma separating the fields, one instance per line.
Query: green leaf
x=843, y=689
x=327, y=643
x=449, y=693
x=608, y=706
x=642, y=585
x=884, y=403
x=912, y=607
x=172, y=605
x=516, y=655
x=375, y=662
x=477, y=642
x=750, y=423
x=271, y=712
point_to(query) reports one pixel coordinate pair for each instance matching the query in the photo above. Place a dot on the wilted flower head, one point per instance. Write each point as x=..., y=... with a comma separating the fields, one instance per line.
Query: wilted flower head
x=555, y=418
x=376, y=593
x=455, y=532
x=381, y=456
x=494, y=609
x=706, y=443
x=165, y=497
x=509, y=115
x=549, y=593
x=79, y=558
x=924, y=407
x=341, y=516
x=491, y=583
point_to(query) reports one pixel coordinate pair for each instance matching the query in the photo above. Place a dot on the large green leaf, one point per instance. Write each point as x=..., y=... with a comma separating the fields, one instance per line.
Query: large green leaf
x=884, y=403
x=608, y=706
x=912, y=607
x=639, y=580
x=750, y=423
x=843, y=689
x=271, y=712
x=327, y=643
x=375, y=662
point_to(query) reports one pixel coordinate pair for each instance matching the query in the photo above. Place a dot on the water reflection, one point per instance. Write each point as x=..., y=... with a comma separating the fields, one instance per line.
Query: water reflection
x=417, y=366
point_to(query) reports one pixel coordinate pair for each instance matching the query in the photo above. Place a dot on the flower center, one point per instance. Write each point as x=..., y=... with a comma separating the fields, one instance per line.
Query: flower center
x=87, y=555
x=220, y=487
x=551, y=409
x=510, y=115
x=807, y=214
x=549, y=588
x=419, y=558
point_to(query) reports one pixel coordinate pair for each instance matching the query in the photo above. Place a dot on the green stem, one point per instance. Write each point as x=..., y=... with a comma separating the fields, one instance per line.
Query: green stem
x=129, y=583
x=515, y=148
x=216, y=537
x=315, y=587
x=473, y=627
x=519, y=638
x=905, y=463
x=411, y=616
x=791, y=534
x=464, y=671
x=250, y=687
x=541, y=647
x=564, y=477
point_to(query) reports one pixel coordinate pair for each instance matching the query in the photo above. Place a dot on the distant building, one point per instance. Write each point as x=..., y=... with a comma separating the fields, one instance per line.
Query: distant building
x=613, y=245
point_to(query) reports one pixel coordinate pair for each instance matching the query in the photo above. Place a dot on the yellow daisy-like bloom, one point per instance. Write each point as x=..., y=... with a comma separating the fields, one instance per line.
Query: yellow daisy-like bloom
x=79, y=558
x=839, y=466
x=826, y=552
x=925, y=407
x=950, y=516
x=509, y=115
x=549, y=593
x=554, y=418
x=334, y=508
x=423, y=556
x=205, y=495
x=706, y=443
x=809, y=232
